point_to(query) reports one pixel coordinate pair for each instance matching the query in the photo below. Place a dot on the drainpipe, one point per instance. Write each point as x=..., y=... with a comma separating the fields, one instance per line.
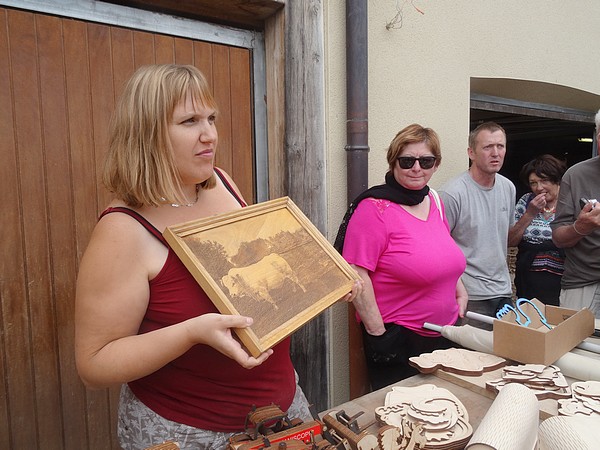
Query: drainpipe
x=357, y=130
x=357, y=152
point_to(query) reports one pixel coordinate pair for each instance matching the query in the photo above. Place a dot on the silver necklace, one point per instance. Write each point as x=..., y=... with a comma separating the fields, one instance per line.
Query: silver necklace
x=177, y=205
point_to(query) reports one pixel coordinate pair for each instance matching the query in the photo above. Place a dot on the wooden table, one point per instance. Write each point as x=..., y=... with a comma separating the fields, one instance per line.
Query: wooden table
x=476, y=403
x=471, y=391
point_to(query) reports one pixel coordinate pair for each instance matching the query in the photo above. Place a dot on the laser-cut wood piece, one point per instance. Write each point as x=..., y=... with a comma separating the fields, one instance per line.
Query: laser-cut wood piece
x=457, y=360
x=266, y=261
x=545, y=381
x=388, y=437
x=585, y=400
x=169, y=445
x=429, y=417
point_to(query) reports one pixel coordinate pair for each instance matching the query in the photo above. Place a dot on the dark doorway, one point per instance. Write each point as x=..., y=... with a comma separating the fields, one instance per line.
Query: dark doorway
x=534, y=129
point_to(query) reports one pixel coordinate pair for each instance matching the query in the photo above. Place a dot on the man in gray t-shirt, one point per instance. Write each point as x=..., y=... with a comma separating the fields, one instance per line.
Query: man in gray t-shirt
x=480, y=210
x=576, y=228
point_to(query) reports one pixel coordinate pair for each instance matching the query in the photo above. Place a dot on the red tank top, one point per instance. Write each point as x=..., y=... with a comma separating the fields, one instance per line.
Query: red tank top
x=203, y=388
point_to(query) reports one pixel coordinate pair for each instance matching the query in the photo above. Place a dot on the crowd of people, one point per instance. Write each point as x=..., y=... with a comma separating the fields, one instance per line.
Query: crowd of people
x=144, y=323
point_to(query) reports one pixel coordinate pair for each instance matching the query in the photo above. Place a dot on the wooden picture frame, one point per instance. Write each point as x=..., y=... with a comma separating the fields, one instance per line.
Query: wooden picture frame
x=266, y=261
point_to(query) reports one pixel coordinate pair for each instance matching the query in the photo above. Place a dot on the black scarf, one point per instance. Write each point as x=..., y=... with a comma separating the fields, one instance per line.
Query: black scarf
x=391, y=190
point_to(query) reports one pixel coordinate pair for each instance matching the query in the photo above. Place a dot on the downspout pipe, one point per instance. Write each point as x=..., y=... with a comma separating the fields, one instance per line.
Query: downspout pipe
x=357, y=121
x=357, y=152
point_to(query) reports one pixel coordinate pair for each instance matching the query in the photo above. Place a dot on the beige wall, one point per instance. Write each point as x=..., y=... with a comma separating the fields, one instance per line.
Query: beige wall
x=421, y=72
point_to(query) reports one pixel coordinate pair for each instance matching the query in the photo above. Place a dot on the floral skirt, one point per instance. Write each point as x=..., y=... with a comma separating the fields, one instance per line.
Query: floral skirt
x=140, y=427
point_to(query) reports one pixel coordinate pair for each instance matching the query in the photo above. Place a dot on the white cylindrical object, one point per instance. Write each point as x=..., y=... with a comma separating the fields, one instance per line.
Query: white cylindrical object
x=580, y=367
x=511, y=422
x=561, y=432
x=589, y=346
x=433, y=327
x=481, y=317
x=470, y=337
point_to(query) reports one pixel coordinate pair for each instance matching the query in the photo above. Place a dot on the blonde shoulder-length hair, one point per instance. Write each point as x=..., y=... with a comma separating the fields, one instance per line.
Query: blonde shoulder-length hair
x=139, y=167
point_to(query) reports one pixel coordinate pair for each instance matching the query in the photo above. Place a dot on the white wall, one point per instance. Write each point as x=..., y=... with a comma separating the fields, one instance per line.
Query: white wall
x=421, y=71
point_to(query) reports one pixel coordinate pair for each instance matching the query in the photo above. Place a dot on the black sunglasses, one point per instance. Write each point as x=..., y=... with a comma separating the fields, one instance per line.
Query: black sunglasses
x=426, y=162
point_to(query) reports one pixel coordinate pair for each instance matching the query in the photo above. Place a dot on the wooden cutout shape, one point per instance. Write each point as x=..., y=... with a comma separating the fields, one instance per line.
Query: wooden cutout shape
x=400, y=395
x=457, y=360
x=586, y=388
x=549, y=383
x=440, y=419
x=169, y=445
x=585, y=400
x=388, y=437
x=266, y=261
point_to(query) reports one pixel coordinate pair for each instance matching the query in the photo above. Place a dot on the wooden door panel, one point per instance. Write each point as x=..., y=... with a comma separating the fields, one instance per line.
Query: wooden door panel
x=58, y=87
x=164, y=50
x=241, y=120
x=143, y=48
x=184, y=51
x=24, y=372
x=221, y=82
x=10, y=243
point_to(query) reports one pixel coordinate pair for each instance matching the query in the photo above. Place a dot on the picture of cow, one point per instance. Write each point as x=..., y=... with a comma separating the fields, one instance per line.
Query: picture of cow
x=258, y=280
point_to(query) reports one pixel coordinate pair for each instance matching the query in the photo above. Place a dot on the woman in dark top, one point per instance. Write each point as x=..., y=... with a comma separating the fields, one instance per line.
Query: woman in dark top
x=540, y=263
x=142, y=321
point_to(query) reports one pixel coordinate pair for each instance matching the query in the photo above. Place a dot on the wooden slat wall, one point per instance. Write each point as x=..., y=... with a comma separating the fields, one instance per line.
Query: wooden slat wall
x=58, y=82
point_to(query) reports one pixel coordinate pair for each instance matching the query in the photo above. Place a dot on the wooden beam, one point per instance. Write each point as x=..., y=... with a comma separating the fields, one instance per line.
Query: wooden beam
x=241, y=13
x=275, y=75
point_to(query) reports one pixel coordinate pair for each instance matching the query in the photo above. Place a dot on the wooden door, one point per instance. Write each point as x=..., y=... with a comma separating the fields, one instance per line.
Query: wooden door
x=58, y=82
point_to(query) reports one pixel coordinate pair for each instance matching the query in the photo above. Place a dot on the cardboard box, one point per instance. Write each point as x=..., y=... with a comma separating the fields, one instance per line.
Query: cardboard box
x=536, y=343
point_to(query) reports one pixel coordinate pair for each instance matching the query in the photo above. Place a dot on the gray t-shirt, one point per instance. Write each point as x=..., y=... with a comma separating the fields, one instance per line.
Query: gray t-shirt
x=479, y=220
x=582, y=264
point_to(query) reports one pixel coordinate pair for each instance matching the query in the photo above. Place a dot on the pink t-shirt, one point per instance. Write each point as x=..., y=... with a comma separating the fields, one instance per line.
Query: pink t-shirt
x=414, y=264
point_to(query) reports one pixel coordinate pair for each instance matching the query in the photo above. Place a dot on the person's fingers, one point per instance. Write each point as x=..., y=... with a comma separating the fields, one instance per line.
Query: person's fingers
x=249, y=362
x=236, y=321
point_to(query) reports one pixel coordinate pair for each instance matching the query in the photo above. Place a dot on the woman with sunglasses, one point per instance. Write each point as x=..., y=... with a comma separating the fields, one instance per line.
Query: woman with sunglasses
x=397, y=238
x=540, y=263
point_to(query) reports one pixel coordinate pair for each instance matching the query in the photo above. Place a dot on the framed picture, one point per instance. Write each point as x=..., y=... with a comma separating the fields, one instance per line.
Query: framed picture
x=266, y=261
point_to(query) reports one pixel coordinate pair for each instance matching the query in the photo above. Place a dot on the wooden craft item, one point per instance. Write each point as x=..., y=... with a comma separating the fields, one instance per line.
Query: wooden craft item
x=169, y=445
x=457, y=360
x=562, y=432
x=579, y=364
x=585, y=400
x=388, y=437
x=545, y=381
x=511, y=422
x=400, y=394
x=428, y=417
x=357, y=439
x=266, y=261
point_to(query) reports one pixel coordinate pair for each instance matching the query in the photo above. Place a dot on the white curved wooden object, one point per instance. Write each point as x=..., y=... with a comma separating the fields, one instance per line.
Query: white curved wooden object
x=575, y=432
x=511, y=422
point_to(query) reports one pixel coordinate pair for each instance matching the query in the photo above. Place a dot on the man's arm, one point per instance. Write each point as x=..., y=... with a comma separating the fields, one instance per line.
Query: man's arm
x=569, y=235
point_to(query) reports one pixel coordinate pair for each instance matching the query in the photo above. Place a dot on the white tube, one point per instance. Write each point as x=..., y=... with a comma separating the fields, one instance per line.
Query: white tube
x=589, y=346
x=480, y=317
x=432, y=327
x=577, y=366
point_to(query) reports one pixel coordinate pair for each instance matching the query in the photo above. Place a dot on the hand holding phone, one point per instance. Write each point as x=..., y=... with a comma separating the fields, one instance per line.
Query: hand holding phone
x=584, y=201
